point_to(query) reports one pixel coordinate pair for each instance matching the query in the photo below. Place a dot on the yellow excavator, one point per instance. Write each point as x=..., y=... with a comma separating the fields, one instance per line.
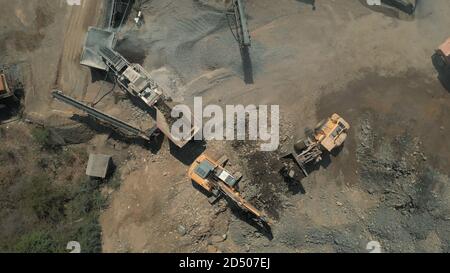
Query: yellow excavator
x=328, y=135
x=211, y=175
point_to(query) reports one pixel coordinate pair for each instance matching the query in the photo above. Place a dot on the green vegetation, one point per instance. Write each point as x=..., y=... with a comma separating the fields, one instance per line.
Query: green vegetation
x=116, y=180
x=47, y=201
x=62, y=214
x=36, y=242
x=41, y=136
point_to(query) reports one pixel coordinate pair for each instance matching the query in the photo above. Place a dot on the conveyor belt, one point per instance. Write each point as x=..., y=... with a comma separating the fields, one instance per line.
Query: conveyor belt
x=116, y=123
x=114, y=60
x=241, y=22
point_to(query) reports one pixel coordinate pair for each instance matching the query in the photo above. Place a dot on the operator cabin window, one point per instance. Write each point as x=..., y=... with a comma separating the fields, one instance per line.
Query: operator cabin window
x=338, y=130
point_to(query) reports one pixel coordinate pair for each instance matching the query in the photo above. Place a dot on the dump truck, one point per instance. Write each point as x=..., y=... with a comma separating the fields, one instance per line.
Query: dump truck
x=212, y=176
x=328, y=135
x=441, y=58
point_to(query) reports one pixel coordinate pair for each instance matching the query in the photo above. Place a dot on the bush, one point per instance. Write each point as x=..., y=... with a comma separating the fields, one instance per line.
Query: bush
x=115, y=181
x=86, y=198
x=53, y=209
x=46, y=201
x=89, y=235
x=41, y=136
x=83, y=212
x=36, y=242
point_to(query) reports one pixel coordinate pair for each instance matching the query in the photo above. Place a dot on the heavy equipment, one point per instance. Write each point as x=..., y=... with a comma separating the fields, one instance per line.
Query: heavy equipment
x=241, y=31
x=5, y=92
x=441, y=57
x=212, y=177
x=104, y=118
x=407, y=6
x=328, y=135
x=131, y=77
x=137, y=82
x=237, y=21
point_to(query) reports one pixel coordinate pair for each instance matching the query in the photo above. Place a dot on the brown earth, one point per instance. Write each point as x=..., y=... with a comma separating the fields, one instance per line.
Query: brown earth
x=389, y=183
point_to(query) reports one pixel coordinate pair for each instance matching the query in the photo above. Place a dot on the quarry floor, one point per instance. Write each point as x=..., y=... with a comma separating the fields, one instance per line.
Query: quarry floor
x=390, y=182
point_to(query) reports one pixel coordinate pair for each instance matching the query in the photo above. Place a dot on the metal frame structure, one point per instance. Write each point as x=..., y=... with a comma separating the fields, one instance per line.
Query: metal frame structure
x=103, y=117
x=115, y=8
x=241, y=32
x=132, y=77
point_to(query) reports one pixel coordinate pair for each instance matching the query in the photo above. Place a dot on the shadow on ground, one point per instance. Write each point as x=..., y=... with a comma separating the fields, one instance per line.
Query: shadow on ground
x=443, y=71
x=247, y=65
x=154, y=145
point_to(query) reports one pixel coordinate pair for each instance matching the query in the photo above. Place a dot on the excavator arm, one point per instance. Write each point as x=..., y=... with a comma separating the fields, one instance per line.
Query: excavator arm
x=242, y=203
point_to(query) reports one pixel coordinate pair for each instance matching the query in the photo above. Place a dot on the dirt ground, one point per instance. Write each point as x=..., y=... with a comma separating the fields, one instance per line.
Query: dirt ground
x=390, y=183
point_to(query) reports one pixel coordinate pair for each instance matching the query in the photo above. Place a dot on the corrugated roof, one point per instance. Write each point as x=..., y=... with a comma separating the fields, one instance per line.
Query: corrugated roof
x=98, y=165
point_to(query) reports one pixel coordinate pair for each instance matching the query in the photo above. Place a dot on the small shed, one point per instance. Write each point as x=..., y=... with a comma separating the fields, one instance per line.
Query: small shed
x=98, y=165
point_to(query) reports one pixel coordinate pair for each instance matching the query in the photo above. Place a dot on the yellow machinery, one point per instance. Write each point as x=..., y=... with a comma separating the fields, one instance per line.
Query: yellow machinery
x=4, y=89
x=441, y=61
x=442, y=56
x=212, y=176
x=328, y=135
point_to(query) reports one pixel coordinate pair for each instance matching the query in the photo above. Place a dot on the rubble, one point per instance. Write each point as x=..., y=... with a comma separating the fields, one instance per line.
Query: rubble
x=389, y=183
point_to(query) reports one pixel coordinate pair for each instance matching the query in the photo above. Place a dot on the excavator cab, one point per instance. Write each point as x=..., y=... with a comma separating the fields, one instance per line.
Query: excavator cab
x=201, y=170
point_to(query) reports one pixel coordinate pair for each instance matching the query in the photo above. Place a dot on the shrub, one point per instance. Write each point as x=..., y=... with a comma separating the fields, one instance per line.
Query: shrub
x=46, y=200
x=36, y=242
x=41, y=136
x=89, y=235
x=115, y=181
x=86, y=198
